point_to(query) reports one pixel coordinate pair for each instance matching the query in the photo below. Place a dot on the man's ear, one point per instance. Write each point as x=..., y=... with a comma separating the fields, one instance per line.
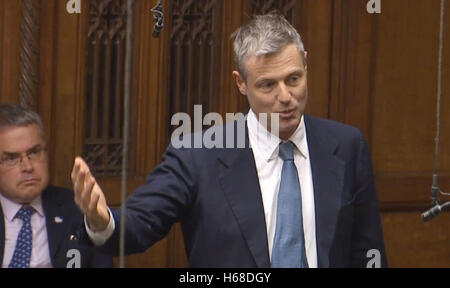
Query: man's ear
x=305, y=60
x=240, y=83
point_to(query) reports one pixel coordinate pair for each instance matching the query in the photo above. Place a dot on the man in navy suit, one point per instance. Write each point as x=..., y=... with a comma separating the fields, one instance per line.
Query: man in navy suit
x=46, y=238
x=234, y=203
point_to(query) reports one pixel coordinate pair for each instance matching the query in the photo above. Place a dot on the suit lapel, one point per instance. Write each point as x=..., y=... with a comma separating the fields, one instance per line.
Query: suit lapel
x=2, y=236
x=328, y=178
x=54, y=217
x=240, y=183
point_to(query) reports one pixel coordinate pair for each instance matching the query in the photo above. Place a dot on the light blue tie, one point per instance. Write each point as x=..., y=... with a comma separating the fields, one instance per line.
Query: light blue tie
x=288, y=249
x=22, y=252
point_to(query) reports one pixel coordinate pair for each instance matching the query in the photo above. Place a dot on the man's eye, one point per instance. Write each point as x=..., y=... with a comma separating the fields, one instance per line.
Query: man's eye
x=35, y=152
x=10, y=158
x=267, y=85
x=294, y=79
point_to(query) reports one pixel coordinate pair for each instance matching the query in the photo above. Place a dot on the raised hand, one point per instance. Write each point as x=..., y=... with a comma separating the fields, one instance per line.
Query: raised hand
x=89, y=196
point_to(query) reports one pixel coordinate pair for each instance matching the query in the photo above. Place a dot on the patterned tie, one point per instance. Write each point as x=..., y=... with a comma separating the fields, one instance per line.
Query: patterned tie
x=22, y=252
x=288, y=249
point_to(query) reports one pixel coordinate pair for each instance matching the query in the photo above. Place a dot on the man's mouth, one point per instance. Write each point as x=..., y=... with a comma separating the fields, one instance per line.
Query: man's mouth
x=29, y=181
x=286, y=114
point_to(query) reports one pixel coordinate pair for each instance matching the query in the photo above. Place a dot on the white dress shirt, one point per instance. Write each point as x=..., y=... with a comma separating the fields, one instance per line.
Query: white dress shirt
x=269, y=165
x=40, y=254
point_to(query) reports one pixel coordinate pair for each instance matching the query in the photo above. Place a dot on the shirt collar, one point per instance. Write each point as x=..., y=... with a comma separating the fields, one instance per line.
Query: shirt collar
x=10, y=208
x=268, y=143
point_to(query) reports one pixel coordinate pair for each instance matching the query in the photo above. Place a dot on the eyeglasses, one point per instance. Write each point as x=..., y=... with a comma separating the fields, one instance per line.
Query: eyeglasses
x=34, y=155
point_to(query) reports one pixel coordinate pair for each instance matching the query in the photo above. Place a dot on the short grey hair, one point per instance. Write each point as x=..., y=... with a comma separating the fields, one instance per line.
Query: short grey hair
x=263, y=35
x=15, y=115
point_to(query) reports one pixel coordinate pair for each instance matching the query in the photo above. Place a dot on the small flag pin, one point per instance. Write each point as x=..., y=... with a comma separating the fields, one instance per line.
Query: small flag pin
x=58, y=219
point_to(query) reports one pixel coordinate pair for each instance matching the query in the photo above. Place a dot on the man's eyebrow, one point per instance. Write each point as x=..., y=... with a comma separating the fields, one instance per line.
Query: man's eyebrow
x=11, y=154
x=261, y=80
x=297, y=71
x=35, y=147
x=17, y=153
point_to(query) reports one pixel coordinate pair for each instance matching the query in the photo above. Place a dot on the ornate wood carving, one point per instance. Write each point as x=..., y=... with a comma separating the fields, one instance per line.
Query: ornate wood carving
x=104, y=85
x=194, y=55
x=29, y=53
x=293, y=10
x=265, y=6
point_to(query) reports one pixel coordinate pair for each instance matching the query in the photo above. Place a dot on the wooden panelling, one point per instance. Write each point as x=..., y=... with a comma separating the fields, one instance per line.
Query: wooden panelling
x=30, y=53
x=352, y=52
x=194, y=63
x=316, y=30
x=384, y=82
x=235, y=12
x=149, y=89
x=98, y=62
x=10, y=50
x=149, y=120
x=105, y=68
x=404, y=101
x=46, y=75
x=403, y=187
x=70, y=41
x=412, y=243
x=2, y=43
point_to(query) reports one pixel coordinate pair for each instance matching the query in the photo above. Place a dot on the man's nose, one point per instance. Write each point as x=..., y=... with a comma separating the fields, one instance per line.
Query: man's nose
x=284, y=95
x=26, y=164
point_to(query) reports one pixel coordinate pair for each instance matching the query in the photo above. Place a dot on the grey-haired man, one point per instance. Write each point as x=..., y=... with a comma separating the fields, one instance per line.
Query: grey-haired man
x=304, y=199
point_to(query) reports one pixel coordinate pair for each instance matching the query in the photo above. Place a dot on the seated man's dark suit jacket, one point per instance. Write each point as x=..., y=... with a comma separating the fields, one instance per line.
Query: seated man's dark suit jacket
x=59, y=202
x=215, y=194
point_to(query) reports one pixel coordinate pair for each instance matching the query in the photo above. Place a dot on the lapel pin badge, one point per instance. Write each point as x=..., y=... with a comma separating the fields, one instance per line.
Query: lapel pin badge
x=58, y=219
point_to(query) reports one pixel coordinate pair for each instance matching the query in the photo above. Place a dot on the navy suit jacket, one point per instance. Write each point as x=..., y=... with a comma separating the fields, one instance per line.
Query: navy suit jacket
x=216, y=196
x=59, y=202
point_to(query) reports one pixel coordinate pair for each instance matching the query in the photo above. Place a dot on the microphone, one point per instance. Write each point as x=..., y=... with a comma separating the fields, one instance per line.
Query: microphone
x=158, y=17
x=437, y=207
x=434, y=211
x=431, y=213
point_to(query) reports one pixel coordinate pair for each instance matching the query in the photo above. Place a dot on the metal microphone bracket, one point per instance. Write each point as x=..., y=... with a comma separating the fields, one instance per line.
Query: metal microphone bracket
x=158, y=17
x=435, y=190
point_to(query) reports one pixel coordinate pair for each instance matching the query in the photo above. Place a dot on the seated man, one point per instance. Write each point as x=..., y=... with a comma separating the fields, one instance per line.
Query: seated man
x=38, y=220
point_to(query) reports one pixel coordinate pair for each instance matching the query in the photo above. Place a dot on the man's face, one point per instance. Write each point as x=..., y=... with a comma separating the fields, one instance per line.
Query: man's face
x=26, y=180
x=277, y=84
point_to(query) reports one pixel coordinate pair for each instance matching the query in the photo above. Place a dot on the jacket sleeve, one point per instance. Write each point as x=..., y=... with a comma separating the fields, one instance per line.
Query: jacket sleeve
x=154, y=207
x=100, y=260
